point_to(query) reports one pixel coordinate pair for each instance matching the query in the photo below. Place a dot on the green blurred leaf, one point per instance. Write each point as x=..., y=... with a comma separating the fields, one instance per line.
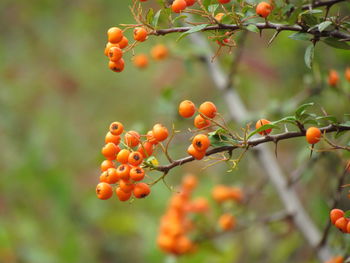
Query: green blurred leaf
x=300, y=36
x=150, y=16
x=309, y=55
x=156, y=18
x=192, y=30
x=299, y=111
x=333, y=42
x=322, y=26
x=253, y=28
x=212, y=8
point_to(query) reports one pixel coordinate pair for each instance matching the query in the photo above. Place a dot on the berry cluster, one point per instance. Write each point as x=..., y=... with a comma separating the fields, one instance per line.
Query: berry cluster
x=113, y=50
x=339, y=220
x=158, y=52
x=123, y=166
x=333, y=77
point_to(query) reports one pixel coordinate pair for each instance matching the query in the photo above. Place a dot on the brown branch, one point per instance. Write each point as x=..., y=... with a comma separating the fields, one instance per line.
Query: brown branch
x=321, y=3
x=250, y=143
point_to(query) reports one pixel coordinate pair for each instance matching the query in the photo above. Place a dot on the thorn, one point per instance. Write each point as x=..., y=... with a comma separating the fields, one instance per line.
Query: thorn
x=273, y=37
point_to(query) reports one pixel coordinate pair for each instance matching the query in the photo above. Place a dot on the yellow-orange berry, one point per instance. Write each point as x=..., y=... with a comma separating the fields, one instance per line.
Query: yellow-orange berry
x=141, y=190
x=335, y=214
x=208, y=109
x=178, y=6
x=140, y=61
x=187, y=109
x=219, y=16
x=200, y=122
x=115, y=35
x=135, y=158
x=342, y=224
x=333, y=77
x=117, y=66
x=122, y=196
x=123, y=171
x=137, y=173
x=140, y=34
x=104, y=191
x=123, y=43
x=112, y=138
x=106, y=164
x=110, y=151
x=201, y=142
x=189, y=182
x=108, y=46
x=115, y=54
x=159, y=52
x=116, y=128
x=126, y=185
x=112, y=176
x=261, y=123
x=151, y=138
x=123, y=156
x=227, y=222
x=195, y=153
x=313, y=135
x=263, y=9
x=146, y=149
x=160, y=132
x=103, y=177
x=132, y=138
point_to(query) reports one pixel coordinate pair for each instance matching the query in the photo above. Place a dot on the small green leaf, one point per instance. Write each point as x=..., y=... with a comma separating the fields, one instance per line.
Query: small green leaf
x=253, y=28
x=322, y=26
x=309, y=55
x=300, y=36
x=149, y=16
x=212, y=8
x=156, y=18
x=333, y=42
x=299, y=111
x=330, y=118
x=288, y=119
x=192, y=30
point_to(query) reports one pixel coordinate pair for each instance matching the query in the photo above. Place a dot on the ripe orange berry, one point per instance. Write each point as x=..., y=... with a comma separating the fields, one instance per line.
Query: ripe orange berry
x=200, y=122
x=112, y=138
x=141, y=190
x=108, y=46
x=123, y=156
x=187, y=109
x=110, y=151
x=178, y=6
x=261, y=123
x=199, y=205
x=112, y=176
x=151, y=138
x=140, y=34
x=166, y=242
x=160, y=132
x=122, y=196
x=115, y=54
x=104, y=191
x=335, y=214
x=342, y=224
x=140, y=61
x=223, y=42
x=116, y=128
x=132, y=138
x=224, y=1
x=189, y=182
x=137, y=173
x=337, y=259
x=263, y=9
x=135, y=158
x=195, y=153
x=126, y=185
x=182, y=245
x=123, y=171
x=236, y=194
x=115, y=35
x=227, y=222
x=159, y=52
x=117, y=66
x=106, y=164
x=146, y=149
x=313, y=135
x=201, y=142
x=333, y=77
x=208, y=109
x=103, y=177
x=221, y=193
x=190, y=2
x=123, y=43
x=219, y=16
x=347, y=74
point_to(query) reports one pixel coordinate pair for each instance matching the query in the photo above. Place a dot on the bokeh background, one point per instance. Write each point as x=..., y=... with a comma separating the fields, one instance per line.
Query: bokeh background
x=57, y=98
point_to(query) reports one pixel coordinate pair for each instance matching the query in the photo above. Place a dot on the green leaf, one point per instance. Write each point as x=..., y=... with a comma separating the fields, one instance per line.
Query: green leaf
x=322, y=26
x=333, y=42
x=300, y=36
x=206, y=3
x=309, y=55
x=218, y=138
x=156, y=18
x=192, y=30
x=149, y=16
x=309, y=19
x=288, y=119
x=253, y=28
x=299, y=111
x=263, y=128
x=180, y=17
x=330, y=118
x=212, y=8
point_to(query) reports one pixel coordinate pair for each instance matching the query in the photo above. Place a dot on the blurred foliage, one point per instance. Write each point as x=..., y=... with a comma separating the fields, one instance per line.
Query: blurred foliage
x=57, y=98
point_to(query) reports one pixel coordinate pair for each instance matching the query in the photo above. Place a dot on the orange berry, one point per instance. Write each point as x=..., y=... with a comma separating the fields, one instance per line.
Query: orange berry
x=195, y=153
x=208, y=109
x=337, y=259
x=190, y=2
x=116, y=128
x=137, y=173
x=342, y=224
x=146, y=149
x=227, y=222
x=123, y=156
x=166, y=242
x=104, y=191
x=108, y=46
x=122, y=196
x=183, y=245
x=112, y=138
x=115, y=35
x=201, y=142
x=313, y=135
x=106, y=164
x=140, y=61
x=263, y=9
x=199, y=205
x=159, y=52
x=123, y=43
x=126, y=185
x=141, y=190
x=178, y=6
x=261, y=123
x=335, y=214
x=200, y=122
x=236, y=194
x=135, y=158
x=187, y=109
x=160, y=132
x=110, y=151
x=132, y=138
x=333, y=77
x=189, y=182
x=219, y=16
x=103, y=177
x=112, y=176
x=117, y=66
x=347, y=74
x=221, y=193
x=115, y=54
x=140, y=34
x=123, y=171
x=151, y=138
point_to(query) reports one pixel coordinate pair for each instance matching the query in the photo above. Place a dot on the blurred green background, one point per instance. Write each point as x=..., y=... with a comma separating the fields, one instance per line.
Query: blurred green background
x=57, y=98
